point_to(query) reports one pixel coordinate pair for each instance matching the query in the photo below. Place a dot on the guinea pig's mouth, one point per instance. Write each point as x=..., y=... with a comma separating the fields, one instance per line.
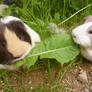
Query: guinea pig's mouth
x=16, y=57
x=8, y=58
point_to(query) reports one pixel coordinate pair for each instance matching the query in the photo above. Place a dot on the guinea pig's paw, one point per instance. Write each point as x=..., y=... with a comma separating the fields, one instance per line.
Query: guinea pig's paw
x=9, y=67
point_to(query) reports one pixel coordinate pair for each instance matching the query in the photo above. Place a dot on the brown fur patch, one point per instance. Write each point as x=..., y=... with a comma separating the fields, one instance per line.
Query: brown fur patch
x=5, y=56
x=14, y=45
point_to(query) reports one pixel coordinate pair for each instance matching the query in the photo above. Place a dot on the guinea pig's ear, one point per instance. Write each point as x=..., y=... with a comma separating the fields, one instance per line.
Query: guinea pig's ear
x=87, y=19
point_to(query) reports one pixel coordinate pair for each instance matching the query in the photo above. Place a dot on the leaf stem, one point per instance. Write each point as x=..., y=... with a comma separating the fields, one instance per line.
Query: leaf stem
x=48, y=51
x=75, y=14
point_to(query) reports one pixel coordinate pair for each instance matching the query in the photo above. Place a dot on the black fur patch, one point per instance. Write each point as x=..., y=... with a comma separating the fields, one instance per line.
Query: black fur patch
x=5, y=56
x=20, y=30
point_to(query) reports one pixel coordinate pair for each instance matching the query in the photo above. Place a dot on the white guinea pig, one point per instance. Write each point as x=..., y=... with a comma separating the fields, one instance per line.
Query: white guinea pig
x=16, y=41
x=82, y=35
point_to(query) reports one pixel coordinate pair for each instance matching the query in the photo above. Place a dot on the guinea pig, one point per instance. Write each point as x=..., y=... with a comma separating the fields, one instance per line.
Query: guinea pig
x=16, y=41
x=82, y=35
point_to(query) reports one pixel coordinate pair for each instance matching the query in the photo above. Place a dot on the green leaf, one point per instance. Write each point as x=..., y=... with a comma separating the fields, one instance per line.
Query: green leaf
x=31, y=61
x=59, y=46
x=62, y=55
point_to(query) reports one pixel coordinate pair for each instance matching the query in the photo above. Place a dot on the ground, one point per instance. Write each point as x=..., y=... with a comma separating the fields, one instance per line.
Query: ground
x=49, y=77
x=78, y=78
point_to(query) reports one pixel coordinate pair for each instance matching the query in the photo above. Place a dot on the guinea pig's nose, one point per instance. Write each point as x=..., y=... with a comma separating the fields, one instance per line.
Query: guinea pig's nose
x=74, y=36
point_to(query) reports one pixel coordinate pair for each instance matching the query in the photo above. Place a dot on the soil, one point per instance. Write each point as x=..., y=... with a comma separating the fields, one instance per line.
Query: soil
x=71, y=79
x=76, y=84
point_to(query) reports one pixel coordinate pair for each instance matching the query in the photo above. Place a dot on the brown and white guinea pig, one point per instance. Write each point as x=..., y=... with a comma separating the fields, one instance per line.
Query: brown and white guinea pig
x=82, y=35
x=16, y=41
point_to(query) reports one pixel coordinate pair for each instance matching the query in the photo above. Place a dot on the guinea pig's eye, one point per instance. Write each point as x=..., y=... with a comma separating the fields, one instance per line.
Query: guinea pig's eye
x=3, y=44
x=90, y=32
x=22, y=36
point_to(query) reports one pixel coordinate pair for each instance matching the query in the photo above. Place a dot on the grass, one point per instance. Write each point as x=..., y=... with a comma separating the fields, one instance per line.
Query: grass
x=38, y=14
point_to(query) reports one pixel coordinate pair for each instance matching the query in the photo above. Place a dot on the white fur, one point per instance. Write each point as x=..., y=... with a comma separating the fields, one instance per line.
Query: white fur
x=7, y=19
x=33, y=35
x=84, y=39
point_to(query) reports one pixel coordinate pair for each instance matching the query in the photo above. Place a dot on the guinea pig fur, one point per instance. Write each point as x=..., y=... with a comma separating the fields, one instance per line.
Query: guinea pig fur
x=82, y=35
x=16, y=41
